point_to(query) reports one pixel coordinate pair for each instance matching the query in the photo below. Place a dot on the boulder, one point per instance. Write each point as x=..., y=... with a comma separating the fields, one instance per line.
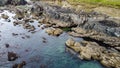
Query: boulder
x=57, y=32
x=70, y=42
x=4, y=16
x=54, y=31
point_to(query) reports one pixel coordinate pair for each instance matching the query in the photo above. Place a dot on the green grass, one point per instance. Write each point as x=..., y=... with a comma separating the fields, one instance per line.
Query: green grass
x=109, y=3
x=66, y=29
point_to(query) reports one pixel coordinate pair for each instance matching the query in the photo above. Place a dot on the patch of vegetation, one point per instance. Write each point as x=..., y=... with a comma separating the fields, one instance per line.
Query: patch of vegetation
x=109, y=3
x=66, y=29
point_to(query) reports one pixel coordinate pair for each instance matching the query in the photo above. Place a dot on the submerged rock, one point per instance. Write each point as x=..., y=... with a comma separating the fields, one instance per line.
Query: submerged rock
x=7, y=45
x=20, y=65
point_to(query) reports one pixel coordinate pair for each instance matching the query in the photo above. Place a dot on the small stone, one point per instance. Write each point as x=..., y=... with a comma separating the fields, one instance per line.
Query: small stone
x=23, y=37
x=43, y=38
x=44, y=41
x=12, y=56
x=39, y=25
x=7, y=45
x=23, y=63
x=14, y=34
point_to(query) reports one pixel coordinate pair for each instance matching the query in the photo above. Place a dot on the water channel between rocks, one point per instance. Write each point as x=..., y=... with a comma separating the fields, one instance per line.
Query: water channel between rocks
x=31, y=48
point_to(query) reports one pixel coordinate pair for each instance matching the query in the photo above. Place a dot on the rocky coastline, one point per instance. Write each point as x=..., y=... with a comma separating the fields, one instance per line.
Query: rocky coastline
x=100, y=33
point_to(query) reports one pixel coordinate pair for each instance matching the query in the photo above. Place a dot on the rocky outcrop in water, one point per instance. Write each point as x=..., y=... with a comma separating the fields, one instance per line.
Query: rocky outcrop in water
x=12, y=56
x=100, y=32
x=54, y=31
x=91, y=50
x=4, y=16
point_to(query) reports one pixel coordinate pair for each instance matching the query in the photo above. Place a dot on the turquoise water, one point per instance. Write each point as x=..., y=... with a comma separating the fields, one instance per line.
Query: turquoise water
x=35, y=52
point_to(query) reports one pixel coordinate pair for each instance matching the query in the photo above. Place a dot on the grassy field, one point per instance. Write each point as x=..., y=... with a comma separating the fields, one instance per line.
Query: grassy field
x=109, y=3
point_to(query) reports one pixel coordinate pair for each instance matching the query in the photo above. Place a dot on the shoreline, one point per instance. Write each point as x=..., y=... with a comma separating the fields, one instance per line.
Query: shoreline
x=93, y=25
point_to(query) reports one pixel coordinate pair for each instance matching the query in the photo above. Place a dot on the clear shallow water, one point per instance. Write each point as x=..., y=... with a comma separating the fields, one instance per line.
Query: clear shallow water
x=51, y=54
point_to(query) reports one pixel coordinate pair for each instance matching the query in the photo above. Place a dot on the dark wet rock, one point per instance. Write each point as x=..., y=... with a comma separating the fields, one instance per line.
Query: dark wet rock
x=91, y=50
x=8, y=20
x=4, y=16
x=12, y=56
x=27, y=36
x=44, y=40
x=16, y=2
x=14, y=34
x=12, y=2
x=15, y=66
x=22, y=2
x=39, y=25
x=7, y=45
x=106, y=26
x=23, y=37
x=20, y=65
x=31, y=20
x=54, y=31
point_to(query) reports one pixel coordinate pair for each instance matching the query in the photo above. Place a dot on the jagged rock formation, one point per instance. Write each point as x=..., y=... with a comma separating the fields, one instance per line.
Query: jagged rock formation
x=92, y=50
x=96, y=36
